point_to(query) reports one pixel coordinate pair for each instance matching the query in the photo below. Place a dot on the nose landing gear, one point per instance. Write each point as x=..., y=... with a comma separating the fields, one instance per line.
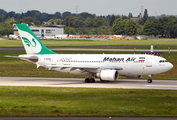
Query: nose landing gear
x=149, y=80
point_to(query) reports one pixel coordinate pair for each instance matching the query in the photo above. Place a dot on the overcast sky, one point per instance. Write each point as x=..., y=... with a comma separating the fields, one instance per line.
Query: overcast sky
x=98, y=7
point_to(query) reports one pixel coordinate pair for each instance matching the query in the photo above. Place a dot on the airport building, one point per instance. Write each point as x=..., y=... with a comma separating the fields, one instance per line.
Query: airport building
x=48, y=32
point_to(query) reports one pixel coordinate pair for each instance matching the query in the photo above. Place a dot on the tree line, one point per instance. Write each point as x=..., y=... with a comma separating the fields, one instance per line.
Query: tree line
x=86, y=23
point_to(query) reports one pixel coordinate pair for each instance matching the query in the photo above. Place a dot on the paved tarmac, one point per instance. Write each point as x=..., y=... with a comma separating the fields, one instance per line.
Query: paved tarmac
x=79, y=82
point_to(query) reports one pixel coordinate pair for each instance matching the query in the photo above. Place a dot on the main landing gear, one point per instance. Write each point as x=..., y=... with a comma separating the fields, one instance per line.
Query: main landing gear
x=90, y=79
x=149, y=80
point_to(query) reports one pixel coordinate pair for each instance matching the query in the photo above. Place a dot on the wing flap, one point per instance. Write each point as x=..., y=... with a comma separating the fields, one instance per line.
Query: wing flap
x=84, y=68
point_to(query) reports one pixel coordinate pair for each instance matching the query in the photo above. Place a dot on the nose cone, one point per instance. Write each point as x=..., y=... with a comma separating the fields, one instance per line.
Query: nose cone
x=169, y=66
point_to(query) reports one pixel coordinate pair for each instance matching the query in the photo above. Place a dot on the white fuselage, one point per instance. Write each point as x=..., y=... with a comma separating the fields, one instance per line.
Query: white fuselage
x=131, y=64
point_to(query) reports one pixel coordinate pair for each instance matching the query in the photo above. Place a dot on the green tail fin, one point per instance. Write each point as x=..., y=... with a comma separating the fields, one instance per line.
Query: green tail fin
x=31, y=42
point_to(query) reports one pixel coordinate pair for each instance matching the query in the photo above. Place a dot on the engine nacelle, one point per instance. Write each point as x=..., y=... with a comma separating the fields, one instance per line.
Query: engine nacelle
x=111, y=75
x=133, y=76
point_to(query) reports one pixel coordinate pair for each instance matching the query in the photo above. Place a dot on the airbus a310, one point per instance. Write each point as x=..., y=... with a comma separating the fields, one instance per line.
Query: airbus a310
x=104, y=66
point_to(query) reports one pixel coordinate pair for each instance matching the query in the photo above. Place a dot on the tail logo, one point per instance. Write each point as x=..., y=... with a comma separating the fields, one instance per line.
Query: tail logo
x=31, y=44
x=28, y=43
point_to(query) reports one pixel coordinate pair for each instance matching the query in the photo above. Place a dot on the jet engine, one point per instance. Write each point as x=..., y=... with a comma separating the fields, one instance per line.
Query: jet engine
x=133, y=76
x=111, y=75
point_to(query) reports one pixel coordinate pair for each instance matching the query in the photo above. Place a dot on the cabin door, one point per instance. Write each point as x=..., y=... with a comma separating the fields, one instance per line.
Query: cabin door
x=54, y=61
x=149, y=62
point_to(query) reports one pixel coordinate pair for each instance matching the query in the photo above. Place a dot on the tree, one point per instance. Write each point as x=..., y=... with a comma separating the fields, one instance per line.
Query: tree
x=124, y=17
x=112, y=19
x=99, y=21
x=57, y=15
x=86, y=15
x=10, y=14
x=155, y=27
x=170, y=30
x=6, y=28
x=28, y=14
x=130, y=15
x=65, y=14
x=118, y=26
x=37, y=23
x=69, y=31
x=130, y=27
x=88, y=22
x=147, y=29
x=37, y=16
x=145, y=16
x=17, y=16
x=3, y=12
x=167, y=25
x=31, y=13
x=22, y=16
x=28, y=20
x=2, y=19
x=78, y=23
x=58, y=21
x=152, y=27
x=68, y=21
x=174, y=31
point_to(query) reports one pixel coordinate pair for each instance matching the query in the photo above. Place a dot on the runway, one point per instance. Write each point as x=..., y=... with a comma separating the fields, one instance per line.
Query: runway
x=79, y=82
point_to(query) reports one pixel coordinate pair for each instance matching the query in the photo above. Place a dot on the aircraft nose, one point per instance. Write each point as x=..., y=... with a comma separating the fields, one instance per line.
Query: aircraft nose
x=170, y=66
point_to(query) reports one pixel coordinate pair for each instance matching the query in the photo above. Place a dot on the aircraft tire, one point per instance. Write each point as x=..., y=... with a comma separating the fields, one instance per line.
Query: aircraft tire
x=92, y=80
x=149, y=80
x=87, y=80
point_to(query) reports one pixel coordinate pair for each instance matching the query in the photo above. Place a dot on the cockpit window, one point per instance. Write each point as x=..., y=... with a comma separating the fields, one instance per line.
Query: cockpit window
x=162, y=61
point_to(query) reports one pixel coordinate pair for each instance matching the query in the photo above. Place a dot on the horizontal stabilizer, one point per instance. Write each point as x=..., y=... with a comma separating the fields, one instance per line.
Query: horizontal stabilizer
x=11, y=56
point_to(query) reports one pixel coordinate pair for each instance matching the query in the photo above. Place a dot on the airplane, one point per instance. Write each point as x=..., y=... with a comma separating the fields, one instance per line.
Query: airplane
x=107, y=67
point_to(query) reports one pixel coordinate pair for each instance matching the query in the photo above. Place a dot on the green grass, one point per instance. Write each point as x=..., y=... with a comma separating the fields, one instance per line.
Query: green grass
x=13, y=67
x=50, y=101
x=70, y=42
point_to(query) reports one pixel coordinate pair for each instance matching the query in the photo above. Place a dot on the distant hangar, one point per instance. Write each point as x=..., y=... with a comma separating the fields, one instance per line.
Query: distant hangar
x=48, y=32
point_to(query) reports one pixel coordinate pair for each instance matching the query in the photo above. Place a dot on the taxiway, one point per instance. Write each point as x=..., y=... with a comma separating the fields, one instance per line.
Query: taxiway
x=79, y=82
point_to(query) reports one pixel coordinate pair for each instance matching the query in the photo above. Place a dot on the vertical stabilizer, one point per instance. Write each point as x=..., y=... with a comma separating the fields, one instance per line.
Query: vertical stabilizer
x=31, y=42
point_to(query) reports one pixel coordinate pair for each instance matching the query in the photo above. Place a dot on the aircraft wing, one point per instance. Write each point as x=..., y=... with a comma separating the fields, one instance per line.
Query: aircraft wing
x=84, y=68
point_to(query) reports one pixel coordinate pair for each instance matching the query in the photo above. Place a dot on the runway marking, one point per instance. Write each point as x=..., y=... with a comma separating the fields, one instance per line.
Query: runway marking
x=160, y=86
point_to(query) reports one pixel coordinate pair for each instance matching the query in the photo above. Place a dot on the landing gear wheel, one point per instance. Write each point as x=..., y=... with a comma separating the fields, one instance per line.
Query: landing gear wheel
x=92, y=80
x=87, y=80
x=149, y=80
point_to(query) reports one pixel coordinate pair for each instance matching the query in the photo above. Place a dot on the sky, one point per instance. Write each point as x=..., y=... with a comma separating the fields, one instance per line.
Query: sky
x=98, y=7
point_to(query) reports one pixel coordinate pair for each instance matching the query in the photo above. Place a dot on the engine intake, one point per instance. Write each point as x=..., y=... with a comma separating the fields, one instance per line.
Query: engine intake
x=111, y=75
